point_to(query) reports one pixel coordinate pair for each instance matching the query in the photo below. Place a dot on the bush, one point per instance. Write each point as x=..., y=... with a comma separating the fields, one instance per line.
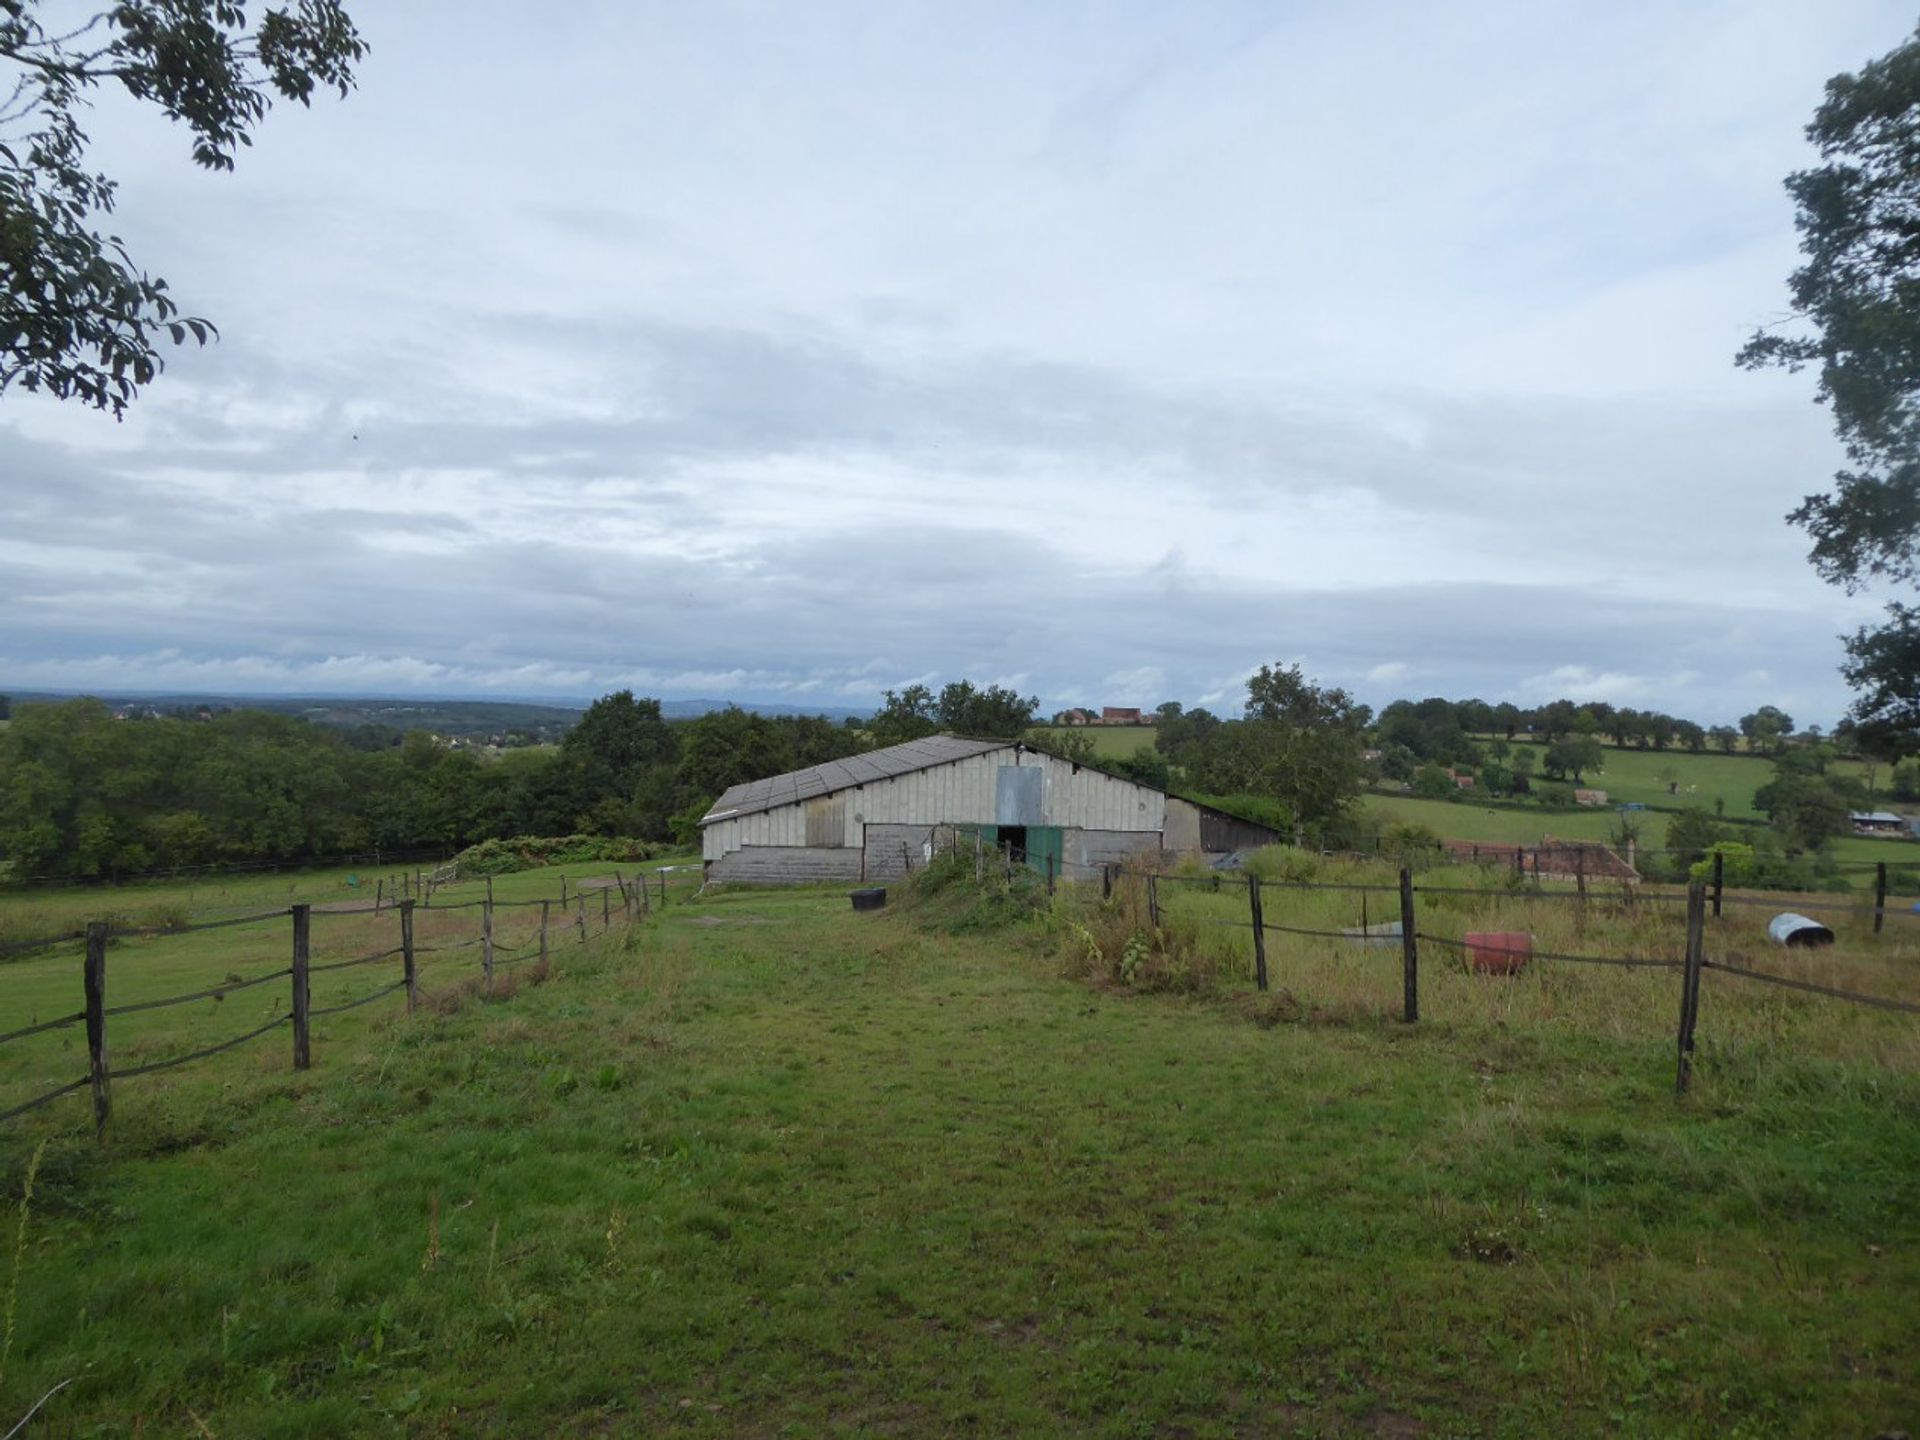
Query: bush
x=1412, y=843
x=1764, y=867
x=530, y=852
x=1284, y=863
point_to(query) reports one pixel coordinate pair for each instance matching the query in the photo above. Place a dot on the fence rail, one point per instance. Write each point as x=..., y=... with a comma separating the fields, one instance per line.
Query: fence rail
x=636, y=900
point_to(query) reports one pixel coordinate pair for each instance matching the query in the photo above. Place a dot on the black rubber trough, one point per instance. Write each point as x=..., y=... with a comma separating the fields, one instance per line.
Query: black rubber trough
x=870, y=899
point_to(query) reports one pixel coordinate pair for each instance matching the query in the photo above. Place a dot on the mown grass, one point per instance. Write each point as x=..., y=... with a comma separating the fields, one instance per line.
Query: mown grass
x=766, y=1167
x=1110, y=742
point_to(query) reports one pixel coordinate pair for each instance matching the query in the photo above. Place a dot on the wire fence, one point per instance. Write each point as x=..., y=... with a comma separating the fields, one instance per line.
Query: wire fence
x=1494, y=953
x=1490, y=953
x=570, y=917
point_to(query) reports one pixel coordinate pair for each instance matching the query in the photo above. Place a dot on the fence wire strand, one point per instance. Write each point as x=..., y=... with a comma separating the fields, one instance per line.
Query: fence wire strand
x=142, y=933
x=152, y=1067
x=214, y=992
x=1878, y=1002
x=359, y=960
x=381, y=993
x=46, y=1098
x=44, y=1025
x=1625, y=961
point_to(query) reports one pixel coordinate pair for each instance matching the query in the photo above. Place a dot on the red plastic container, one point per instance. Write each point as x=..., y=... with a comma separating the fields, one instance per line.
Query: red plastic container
x=1499, y=952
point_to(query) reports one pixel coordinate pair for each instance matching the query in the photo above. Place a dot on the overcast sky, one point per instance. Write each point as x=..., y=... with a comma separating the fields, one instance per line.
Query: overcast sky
x=793, y=352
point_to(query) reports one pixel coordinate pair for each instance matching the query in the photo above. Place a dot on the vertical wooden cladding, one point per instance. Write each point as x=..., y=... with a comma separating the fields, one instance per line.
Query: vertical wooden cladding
x=826, y=820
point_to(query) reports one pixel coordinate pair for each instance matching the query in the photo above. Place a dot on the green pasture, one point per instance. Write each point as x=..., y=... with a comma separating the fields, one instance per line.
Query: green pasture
x=1643, y=775
x=1505, y=825
x=1110, y=742
x=760, y=1166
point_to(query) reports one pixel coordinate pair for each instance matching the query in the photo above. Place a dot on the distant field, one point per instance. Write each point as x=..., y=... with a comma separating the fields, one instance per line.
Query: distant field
x=1636, y=775
x=1464, y=820
x=1110, y=742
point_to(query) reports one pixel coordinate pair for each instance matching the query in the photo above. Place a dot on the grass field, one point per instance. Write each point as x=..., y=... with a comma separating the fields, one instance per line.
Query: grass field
x=1110, y=742
x=1464, y=820
x=764, y=1167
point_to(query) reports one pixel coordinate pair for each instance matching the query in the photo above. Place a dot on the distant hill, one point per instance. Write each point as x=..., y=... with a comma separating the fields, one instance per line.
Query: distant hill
x=545, y=720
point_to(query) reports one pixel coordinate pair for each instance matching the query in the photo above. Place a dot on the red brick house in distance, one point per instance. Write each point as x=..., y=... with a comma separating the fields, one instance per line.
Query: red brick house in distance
x=1122, y=715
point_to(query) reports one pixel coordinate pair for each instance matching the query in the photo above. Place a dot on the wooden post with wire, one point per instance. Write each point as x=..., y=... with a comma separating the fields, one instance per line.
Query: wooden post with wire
x=1879, y=895
x=302, y=989
x=407, y=968
x=544, y=904
x=1719, y=880
x=1690, y=983
x=1259, y=930
x=94, y=977
x=486, y=936
x=1409, y=951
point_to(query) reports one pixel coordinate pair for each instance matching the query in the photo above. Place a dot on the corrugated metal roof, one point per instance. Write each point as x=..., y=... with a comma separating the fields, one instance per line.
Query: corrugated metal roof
x=796, y=785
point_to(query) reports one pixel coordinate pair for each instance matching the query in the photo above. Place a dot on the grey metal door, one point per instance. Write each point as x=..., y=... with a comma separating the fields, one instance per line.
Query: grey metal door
x=1017, y=796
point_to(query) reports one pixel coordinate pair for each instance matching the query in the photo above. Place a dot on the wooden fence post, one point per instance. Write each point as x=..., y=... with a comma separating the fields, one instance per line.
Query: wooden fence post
x=1879, y=895
x=580, y=915
x=606, y=908
x=1690, y=983
x=1259, y=930
x=543, y=930
x=1106, y=881
x=486, y=937
x=94, y=976
x=1153, y=899
x=563, y=889
x=1580, y=885
x=302, y=991
x=1050, y=875
x=1409, y=951
x=663, y=887
x=407, y=968
x=626, y=896
x=1719, y=880
x=646, y=900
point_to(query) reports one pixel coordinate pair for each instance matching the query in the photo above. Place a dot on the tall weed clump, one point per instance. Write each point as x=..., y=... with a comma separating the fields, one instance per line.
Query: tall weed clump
x=1117, y=942
x=945, y=893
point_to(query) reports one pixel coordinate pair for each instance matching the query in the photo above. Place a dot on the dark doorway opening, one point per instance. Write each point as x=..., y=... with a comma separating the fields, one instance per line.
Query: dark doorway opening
x=1014, y=838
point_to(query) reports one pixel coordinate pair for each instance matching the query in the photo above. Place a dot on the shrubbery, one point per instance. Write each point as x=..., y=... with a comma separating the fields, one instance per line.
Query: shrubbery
x=530, y=852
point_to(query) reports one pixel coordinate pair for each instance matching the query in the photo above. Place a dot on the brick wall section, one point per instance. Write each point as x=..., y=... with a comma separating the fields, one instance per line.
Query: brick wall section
x=787, y=865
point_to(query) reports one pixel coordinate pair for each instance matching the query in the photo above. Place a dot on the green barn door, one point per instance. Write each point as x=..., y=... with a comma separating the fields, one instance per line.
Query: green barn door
x=1044, y=842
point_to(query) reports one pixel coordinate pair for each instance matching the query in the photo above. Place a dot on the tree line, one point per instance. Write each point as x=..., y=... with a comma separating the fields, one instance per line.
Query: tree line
x=86, y=795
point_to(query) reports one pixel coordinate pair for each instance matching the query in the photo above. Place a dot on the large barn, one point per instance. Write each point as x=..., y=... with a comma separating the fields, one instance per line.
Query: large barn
x=869, y=816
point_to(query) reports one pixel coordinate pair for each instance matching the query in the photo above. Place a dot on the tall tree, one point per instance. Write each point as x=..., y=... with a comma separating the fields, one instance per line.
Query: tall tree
x=1858, y=294
x=624, y=734
x=78, y=318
